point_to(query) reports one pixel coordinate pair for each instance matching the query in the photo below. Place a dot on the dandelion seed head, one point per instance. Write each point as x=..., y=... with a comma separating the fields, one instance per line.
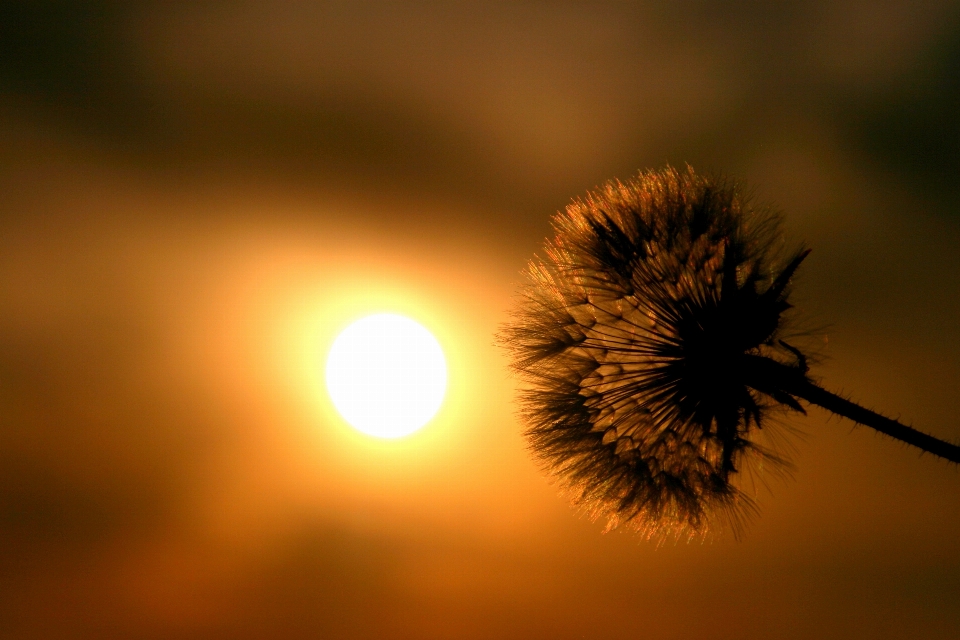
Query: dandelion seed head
x=635, y=336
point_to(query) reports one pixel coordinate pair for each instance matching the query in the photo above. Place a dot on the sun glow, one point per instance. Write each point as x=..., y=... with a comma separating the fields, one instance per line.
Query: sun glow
x=386, y=375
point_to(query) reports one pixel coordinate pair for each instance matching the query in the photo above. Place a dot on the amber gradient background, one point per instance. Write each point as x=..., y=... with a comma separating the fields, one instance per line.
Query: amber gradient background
x=194, y=197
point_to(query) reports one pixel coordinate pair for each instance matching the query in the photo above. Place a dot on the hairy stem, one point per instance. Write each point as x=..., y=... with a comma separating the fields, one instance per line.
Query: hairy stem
x=776, y=379
x=814, y=394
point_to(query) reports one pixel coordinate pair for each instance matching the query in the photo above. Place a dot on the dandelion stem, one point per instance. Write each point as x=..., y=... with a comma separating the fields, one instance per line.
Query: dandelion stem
x=839, y=405
x=770, y=376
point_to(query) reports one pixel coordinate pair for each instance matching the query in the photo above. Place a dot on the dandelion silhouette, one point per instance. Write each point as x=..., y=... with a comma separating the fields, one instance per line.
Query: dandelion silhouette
x=651, y=340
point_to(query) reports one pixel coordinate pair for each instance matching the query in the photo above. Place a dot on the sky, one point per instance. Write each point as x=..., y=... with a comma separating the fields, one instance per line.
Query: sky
x=196, y=197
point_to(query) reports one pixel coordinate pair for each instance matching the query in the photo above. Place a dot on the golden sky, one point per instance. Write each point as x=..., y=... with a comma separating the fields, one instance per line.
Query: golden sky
x=196, y=197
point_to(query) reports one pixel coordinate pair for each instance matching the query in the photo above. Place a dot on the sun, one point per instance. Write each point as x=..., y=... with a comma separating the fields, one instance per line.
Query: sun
x=386, y=375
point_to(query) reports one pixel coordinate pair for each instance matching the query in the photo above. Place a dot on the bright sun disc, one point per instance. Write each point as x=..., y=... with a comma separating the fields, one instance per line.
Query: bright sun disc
x=386, y=375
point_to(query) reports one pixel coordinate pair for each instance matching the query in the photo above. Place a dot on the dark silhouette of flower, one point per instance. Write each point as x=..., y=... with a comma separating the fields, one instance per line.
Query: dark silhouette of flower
x=651, y=341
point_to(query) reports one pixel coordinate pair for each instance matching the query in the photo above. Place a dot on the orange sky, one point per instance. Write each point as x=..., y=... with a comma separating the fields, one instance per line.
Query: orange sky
x=195, y=198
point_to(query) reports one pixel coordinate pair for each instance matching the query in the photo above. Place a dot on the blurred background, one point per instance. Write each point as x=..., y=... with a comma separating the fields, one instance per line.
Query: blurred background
x=195, y=197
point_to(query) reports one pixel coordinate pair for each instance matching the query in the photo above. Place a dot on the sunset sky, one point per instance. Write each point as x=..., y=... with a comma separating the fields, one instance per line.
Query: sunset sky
x=195, y=198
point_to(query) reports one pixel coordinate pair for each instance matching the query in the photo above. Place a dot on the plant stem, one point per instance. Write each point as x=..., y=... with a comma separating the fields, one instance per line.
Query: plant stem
x=784, y=382
x=815, y=394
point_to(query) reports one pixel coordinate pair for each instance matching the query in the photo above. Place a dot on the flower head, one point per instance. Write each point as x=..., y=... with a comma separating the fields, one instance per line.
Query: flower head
x=641, y=336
